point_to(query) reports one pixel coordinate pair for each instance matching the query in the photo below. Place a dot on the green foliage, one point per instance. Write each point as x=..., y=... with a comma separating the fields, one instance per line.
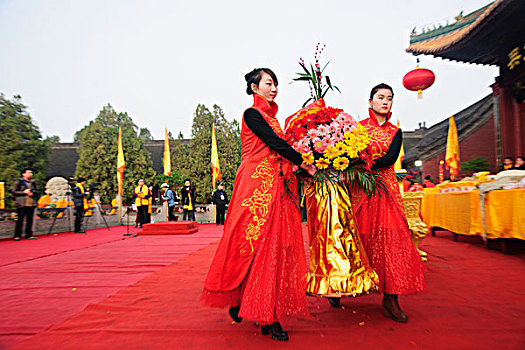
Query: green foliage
x=98, y=154
x=368, y=182
x=180, y=157
x=145, y=134
x=21, y=143
x=175, y=180
x=194, y=161
x=314, y=77
x=475, y=165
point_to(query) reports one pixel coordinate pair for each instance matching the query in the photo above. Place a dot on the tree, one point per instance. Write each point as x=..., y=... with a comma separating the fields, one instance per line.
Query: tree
x=475, y=165
x=195, y=161
x=145, y=134
x=21, y=143
x=98, y=154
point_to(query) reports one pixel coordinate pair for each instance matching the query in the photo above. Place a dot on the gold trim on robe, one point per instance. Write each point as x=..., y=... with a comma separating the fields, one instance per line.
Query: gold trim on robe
x=338, y=263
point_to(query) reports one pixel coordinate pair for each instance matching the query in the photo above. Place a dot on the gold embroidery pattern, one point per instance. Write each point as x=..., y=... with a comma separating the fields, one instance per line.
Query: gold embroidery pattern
x=274, y=124
x=380, y=139
x=259, y=201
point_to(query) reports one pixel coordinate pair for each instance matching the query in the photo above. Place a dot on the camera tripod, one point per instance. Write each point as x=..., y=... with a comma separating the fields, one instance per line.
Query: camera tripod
x=62, y=210
x=99, y=208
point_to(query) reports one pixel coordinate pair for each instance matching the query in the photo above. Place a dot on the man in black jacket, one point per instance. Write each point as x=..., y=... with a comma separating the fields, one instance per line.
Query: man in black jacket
x=80, y=200
x=220, y=199
x=26, y=195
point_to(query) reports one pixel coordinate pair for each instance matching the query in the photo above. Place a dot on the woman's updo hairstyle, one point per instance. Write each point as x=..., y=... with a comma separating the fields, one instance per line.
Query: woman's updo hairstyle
x=254, y=77
x=379, y=87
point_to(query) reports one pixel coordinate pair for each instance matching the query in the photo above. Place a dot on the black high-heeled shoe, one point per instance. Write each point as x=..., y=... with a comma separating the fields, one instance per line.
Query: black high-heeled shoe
x=276, y=330
x=334, y=302
x=234, y=314
x=391, y=309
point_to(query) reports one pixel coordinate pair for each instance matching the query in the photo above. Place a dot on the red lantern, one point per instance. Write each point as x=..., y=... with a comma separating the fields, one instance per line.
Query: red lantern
x=418, y=80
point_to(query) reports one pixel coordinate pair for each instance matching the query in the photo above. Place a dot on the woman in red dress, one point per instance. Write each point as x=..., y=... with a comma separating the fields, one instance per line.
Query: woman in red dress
x=259, y=269
x=381, y=219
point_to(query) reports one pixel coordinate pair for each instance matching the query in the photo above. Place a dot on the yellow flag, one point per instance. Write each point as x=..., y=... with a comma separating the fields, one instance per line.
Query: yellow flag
x=215, y=167
x=399, y=162
x=2, y=195
x=166, y=161
x=452, y=154
x=121, y=164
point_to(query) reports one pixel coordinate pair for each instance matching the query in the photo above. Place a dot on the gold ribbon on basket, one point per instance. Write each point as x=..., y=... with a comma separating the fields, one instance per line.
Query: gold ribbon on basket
x=338, y=263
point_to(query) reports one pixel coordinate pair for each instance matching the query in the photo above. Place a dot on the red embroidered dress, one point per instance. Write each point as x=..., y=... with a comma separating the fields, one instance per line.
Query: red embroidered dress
x=383, y=226
x=260, y=262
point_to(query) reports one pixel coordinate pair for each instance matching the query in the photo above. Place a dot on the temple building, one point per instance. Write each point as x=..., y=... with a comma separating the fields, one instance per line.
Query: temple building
x=493, y=127
x=64, y=156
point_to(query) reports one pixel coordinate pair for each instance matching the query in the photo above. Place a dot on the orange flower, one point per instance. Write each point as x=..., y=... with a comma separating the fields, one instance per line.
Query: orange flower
x=341, y=163
x=322, y=163
x=331, y=152
x=308, y=158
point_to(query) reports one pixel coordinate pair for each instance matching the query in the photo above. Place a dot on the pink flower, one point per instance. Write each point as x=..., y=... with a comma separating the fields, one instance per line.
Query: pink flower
x=323, y=129
x=333, y=127
x=303, y=145
x=338, y=135
x=320, y=145
x=347, y=128
x=313, y=133
x=332, y=141
x=341, y=118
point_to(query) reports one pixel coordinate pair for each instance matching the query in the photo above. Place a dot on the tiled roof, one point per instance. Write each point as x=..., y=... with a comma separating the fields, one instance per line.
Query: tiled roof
x=437, y=41
x=63, y=158
x=467, y=122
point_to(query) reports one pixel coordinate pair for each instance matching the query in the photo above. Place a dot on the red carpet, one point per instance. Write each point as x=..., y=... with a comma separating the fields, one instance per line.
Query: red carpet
x=37, y=293
x=170, y=228
x=475, y=300
x=56, y=243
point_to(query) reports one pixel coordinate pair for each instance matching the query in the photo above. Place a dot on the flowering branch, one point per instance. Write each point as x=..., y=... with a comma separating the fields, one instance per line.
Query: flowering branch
x=314, y=76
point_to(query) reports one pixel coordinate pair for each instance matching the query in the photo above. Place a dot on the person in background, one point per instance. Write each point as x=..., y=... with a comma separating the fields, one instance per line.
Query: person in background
x=428, y=182
x=80, y=200
x=169, y=197
x=26, y=195
x=508, y=163
x=141, y=196
x=220, y=199
x=188, y=195
x=520, y=164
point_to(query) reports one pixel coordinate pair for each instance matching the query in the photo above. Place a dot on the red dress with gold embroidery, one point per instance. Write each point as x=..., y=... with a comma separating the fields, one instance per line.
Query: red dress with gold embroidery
x=260, y=262
x=383, y=226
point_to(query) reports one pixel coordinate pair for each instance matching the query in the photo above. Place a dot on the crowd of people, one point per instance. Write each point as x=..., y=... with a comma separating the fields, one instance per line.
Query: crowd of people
x=26, y=194
x=510, y=164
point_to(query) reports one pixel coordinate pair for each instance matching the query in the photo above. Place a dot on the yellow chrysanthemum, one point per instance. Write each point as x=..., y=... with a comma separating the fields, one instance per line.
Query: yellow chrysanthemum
x=330, y=152
x=322, y=163
x=341, y=163
x=340, y=147
x=308, y=158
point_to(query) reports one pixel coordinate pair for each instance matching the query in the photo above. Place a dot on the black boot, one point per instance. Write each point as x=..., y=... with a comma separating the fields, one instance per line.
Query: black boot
x=391, y=308
x=277, y=331
x=234, y=314
x=335, y=302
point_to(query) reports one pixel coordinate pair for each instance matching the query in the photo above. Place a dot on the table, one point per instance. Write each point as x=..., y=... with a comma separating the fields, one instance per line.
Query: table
x=460, y=212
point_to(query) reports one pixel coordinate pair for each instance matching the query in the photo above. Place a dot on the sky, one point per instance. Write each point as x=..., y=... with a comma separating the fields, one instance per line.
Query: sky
x=157, y=60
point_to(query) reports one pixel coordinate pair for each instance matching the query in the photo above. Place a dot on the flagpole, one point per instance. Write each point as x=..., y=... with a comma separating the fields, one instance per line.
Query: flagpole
x=121, y=164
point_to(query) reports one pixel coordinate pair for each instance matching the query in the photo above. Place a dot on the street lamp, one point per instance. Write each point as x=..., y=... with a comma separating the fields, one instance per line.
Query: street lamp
x=419, y=165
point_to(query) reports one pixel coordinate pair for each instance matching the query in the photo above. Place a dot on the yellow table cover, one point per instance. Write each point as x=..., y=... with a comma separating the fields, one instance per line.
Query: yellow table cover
x=460, y=212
